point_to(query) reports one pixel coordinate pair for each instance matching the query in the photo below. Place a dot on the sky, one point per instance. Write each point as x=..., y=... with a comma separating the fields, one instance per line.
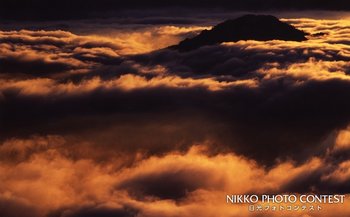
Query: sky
x=98, y=118
x=80, y=9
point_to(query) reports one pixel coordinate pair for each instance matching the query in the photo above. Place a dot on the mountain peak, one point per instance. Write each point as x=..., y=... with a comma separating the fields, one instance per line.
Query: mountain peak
x=247, y=27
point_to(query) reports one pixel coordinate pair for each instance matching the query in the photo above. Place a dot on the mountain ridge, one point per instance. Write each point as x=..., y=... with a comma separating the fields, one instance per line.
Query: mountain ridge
x=247, y=27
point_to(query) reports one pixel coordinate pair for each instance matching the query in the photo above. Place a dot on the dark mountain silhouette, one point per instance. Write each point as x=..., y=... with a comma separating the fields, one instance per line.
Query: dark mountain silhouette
x=248, y=27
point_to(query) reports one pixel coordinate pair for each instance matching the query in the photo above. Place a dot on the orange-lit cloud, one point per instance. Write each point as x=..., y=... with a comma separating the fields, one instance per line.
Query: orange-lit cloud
x=115, y=125
x=48, y=180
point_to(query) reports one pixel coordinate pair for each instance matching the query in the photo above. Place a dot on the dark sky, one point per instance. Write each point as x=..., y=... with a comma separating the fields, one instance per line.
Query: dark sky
x=70, y=9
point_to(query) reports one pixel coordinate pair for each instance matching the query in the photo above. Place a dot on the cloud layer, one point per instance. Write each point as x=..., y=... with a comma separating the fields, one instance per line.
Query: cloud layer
x=94, y=125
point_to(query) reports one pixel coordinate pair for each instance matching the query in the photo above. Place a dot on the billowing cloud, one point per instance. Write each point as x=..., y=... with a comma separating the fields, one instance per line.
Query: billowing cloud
x=235, y=89
x=117, y=125
x=177, y=181
x=343, y=139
